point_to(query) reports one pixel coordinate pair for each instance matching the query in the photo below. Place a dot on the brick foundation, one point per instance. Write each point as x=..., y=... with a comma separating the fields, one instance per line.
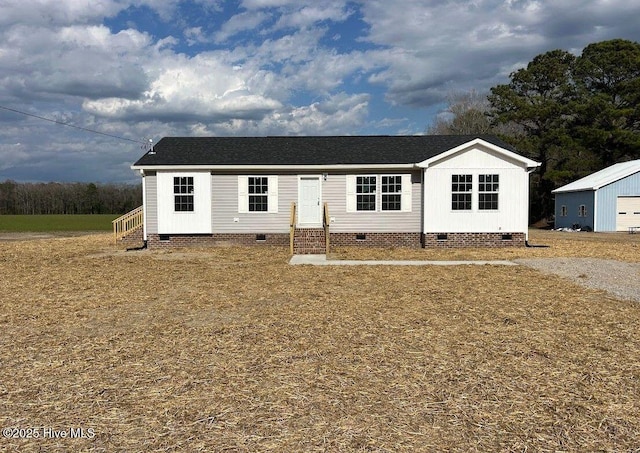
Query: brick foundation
x=376, y=239
x=458, y=240
x=218, y=239
x=309, y=241
x=134, y=238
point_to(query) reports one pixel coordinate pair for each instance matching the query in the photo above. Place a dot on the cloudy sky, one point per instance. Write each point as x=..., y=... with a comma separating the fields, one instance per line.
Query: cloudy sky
x=144, y=69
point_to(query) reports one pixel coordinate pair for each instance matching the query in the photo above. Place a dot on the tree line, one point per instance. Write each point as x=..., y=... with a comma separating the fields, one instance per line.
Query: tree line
x=68, y=198
x=574, y=114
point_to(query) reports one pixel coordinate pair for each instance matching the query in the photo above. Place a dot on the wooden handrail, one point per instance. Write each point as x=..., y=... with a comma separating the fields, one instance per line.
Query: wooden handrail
x=292, y=226
x=127, y=222
x=325, y=224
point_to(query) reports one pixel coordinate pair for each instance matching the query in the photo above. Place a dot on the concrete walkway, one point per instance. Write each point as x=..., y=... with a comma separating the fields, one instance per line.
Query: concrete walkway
x=321, y=260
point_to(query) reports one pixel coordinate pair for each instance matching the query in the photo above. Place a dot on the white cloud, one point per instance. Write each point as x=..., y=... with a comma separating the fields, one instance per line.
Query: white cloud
x=287, y=67
x=195, y=35
x=340, y=114
x=240, y=22
x=197, y=89
x=81, y=60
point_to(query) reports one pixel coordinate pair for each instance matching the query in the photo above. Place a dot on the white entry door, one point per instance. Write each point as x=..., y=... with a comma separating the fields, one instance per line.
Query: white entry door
x=309, y=209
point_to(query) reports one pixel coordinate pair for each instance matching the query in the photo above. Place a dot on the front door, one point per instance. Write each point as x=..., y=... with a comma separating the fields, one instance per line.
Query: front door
x=309, y=210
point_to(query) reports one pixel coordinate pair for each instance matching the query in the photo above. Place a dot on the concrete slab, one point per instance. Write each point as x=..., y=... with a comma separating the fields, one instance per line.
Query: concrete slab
x=321, y=260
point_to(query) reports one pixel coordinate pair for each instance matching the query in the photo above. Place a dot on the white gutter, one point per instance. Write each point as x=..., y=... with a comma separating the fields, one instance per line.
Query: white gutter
x=144, y=206
x=272, y=167
x=595, y=210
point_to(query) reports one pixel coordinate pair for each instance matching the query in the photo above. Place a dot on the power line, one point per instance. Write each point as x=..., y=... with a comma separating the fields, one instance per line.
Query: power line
x=72, y=125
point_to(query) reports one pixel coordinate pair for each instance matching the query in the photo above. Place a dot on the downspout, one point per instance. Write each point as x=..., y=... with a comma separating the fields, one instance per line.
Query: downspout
x=423, y=240
x=595, y=210
x=528, y=188
x=144, y=208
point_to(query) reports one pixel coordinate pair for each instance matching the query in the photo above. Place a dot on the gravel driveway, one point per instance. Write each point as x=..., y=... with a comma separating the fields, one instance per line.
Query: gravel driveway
x=616, y=277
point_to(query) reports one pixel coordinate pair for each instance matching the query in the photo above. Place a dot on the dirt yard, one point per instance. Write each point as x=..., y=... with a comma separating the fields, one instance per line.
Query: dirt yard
x=232, y=349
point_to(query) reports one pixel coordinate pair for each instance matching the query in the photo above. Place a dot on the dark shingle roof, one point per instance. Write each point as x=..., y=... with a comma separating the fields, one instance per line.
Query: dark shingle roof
x=295, y=150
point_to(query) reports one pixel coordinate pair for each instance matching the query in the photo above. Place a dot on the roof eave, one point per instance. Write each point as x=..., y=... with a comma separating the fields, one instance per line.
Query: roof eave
x=187, y=167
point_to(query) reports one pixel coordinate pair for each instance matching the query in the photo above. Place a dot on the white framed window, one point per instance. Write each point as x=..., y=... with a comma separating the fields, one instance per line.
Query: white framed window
x=391, y=190
x=582, y=211
x=488, y=187
x=563, y=210
x=257, y=193
x=379, y=193
x=258, y=188
x=461, y=188
x=366, y=189
x=183, y=193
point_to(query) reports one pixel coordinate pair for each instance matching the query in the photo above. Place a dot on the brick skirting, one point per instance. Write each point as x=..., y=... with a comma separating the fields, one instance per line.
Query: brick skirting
x=458, y=240
x=218, y=239
x=376, y=239
x=134, y=238
x=310, y=241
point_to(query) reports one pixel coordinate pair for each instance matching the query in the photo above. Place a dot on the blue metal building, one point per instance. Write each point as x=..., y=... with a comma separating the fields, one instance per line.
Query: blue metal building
x=608, y=200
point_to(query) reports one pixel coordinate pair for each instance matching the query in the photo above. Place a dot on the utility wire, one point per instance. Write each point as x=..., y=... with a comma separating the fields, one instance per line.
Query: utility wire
x=71, y=125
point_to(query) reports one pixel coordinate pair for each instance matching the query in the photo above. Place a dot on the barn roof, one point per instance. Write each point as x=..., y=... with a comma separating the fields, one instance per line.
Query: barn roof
x=603, y=177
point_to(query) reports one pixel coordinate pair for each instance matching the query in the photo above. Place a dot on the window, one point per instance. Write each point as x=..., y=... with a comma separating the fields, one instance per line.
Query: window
x=183, y=193
x=488, y=186
x=391, y=193
x=582, y=211
x=563, y=210
x=461, y=192
x=379, y=193
x=258, y=194
x=366, y=193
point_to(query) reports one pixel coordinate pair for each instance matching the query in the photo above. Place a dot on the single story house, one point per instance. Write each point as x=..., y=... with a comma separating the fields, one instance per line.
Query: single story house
x=608, y=200
x=433, y=191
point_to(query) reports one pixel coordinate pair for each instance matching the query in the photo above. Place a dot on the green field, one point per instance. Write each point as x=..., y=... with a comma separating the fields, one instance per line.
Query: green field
x=56, y=222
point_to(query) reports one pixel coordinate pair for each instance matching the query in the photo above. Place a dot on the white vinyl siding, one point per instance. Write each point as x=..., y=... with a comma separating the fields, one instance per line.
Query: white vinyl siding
x=271, y=196
x=352, y=192
x=339, y=191
x=226, y=202
x=151, y=203
x=512, y=215
x=171, y=221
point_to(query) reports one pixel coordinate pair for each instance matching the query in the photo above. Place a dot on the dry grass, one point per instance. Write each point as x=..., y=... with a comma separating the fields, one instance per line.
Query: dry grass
x=616, y=246
x=231, y=349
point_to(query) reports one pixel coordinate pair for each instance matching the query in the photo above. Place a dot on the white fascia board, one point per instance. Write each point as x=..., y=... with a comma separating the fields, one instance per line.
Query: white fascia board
x=530, y=164
x=273, y=167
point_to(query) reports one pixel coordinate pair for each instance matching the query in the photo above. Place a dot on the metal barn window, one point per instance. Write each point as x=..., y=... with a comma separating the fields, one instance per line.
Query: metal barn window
x=391, y=193
x=183, y=193
x=366, y=193
x=461, y=186
x=258, y=193
x=488, y=187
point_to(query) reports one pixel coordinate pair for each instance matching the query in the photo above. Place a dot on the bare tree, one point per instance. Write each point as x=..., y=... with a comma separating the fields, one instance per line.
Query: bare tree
x=466, y=114
x=68, y=198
